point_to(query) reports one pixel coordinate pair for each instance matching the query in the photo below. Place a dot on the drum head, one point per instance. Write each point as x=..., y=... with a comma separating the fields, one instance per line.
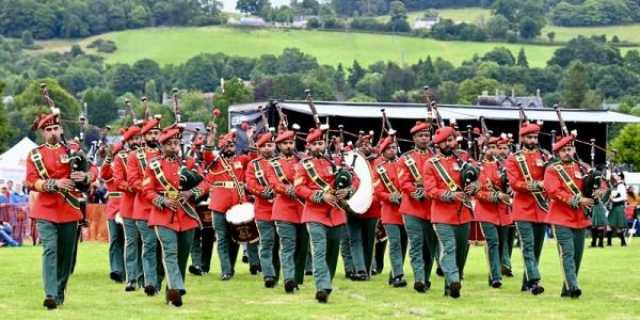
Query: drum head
x=361, y=200
x=241, y=213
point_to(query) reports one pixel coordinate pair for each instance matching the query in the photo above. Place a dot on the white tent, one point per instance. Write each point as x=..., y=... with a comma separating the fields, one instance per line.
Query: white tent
x=13, y=161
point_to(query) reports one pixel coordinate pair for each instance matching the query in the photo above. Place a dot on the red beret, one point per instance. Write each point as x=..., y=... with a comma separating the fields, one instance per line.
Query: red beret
x=493, y=140
x=562, y=142
x=170, y=133
x=504, y=139
x=45, y=120
x=285, y=135
x=116, y=148
x=314, y=135
x=529, y=128
x=149, y=125
x=363, y=138
x=264, y=138
x=420, y=126
x=199, y=140
x=130, y=133
x=73, y=146
x=442, y=134
x=226, y=139
x=385, y=143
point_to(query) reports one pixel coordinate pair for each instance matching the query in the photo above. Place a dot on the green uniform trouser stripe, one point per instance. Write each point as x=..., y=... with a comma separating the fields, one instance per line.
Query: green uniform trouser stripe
x=531, y=241
x=397, y=238
x=363, y=240
x=325, y=243
x=58, y=241
x=507, y=235
x=570, y=248
x=132, y=251
x=149, y=254
x=345, y=251
x=175, y=254
x=268, y=249
x=294, y=247
x=422, y=246
x=196, y=248
x=492, y=250
x=227, y=249
x=453, y=241
x=116, y=246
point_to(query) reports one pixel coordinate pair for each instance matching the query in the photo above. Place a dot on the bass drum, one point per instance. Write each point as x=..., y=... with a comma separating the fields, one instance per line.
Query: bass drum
x=242, y=223
x=362, y=198
x=381, y=234
x=205, y=214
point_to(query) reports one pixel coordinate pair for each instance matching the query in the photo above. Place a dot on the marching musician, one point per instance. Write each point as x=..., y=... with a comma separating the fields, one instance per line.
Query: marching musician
x=256, y=178
x=287, y=212
x=388, y=193
x=525, y=170
x=616, y=219
x=491, y=209
x=507, y=232
x=114, y=226
x=415, y=206
x=137, y=163
x=56, y=209
x=450, y=207
x=362, y=228
x=172, y=215
x=563, y=181
x=315, y=182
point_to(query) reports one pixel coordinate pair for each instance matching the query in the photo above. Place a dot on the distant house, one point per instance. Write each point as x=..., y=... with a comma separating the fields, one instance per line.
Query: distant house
x=248, y=22
x=426, y=22
x=500, y=99
x=301, y=21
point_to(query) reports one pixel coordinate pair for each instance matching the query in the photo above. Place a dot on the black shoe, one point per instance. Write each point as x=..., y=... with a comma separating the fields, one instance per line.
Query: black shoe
x=420, y=286
x=374, y=272
x=360, y=276
x=439, y=272
x=131, y=286
x=309, y=273
x=173, y=296
x=150, y=291
x=290, y=286
x=536, y=288
x=182, y=292
x=269, y=282
x=575, y=293
x=254, y=269
x=49, y=303
x=322, y=296
x=454, y=290
x=496, y=284
x=195, y=270
x=348, y=274
x=116, y=276
x=245, y=259
x=506, y=272
x=226, y=276
x=398, y=282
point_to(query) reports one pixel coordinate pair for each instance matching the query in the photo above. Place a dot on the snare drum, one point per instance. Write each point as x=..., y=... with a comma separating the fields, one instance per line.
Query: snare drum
x=205, y=214
x=242, y=223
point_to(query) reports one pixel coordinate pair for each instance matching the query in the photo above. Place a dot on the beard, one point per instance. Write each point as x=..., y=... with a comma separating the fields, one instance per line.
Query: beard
x=317, y=153
x=287, y=151
x=228, y=153
x=152, y=144
x=531, y=146
x=447, y=151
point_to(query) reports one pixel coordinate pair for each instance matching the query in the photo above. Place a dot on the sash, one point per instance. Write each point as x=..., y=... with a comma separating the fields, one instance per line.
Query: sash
x=382, y=172
x=524, y=169
x=307, y=164
x=259, y=173
x=568, y=182
x=142, y=158
x=168, y=187
x=451, y=184
x=227, y=168
x=277, y=168
x=36, y=157
x=413, y=169
x=123, y=157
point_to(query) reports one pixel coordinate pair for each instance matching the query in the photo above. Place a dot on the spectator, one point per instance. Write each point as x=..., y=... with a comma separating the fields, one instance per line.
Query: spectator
x=5, y=235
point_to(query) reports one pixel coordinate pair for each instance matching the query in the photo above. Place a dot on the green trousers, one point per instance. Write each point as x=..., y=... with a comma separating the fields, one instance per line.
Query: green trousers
x=570, y=248
x=453, y=241
x=175, y=253
x=531, y=241
x=325, y=244
x=268, y=249
x=58, y=243
x=252, y=253
x=422, y=246
x=132, y=251
x=294, y=247
x=397, y=238
x=363, y=241
x=507, y=235
x=345, y=251
x=202, y=248
x=227, y=249
x=116, y=246
x=492, y=250
x=150, y=257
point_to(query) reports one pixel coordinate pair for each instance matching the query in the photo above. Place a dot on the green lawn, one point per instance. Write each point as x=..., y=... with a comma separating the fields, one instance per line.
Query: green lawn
x=176, y=45
x=629, y=32
x=609, y=279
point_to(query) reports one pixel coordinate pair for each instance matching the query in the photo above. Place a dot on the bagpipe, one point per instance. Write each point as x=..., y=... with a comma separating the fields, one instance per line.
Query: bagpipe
x=189, y=178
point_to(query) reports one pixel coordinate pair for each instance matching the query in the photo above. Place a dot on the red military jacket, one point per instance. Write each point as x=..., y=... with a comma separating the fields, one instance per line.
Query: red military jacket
x=137, y=164
x=120, y=179
x=444, y=212
x=410, y=206
x=256, y=184
x=560, y=212
x=305, y=188
x=113, y=201
x=154, y=190
x=386, y=170
x=281, y=178
x=223, y=191
x=50, y=206
x=485, y=209
x=525, y=207
x=375, y=210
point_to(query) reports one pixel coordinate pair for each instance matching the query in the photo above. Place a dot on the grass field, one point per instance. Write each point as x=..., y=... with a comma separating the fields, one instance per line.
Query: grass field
x=609, y=279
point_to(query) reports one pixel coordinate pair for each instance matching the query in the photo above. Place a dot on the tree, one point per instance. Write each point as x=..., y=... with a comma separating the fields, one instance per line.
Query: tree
x=121, y=79
x=151, y=91
x=253, y=7
x=500, y=55
x=626, y=144
x=498, y=26
x=522, y=59
x=356, y=72
x=470, y=89
x=339, y=79
x=76, y=50
x=398, y=21
x=551, y=35
x=101, y=106
x=293, y=60
x=586, y=50
x=448, y=92
x=27, y=38
x=200, y=73
x=574, y=85
x=529, y=28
